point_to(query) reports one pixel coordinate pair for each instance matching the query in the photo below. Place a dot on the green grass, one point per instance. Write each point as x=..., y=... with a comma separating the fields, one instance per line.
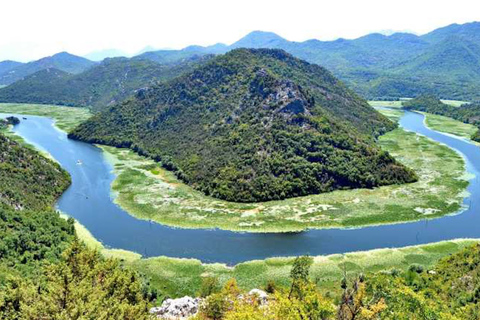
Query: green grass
x=449, y=125
x=66, y=118
x=179, y=277
x=454, y=103
x=398, y=104
x=149, y=192
x=387, y=104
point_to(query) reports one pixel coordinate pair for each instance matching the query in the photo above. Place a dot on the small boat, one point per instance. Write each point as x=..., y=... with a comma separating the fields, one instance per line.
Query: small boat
x=24, y=118
x=79, y=162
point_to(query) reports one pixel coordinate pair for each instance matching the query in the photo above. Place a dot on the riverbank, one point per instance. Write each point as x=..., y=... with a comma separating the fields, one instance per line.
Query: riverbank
x=66, y=118
x=393, y=110
x=180, y=277
x=147, y=191
x=183, y=276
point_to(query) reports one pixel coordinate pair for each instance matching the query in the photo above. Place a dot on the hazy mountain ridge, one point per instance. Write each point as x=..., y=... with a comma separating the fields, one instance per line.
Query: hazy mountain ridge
x=376, y=65
x=111, y=81
x=62, y=61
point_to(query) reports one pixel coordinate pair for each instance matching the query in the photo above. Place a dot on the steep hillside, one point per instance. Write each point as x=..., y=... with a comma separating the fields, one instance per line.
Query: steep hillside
x=254, y=125
x=454, y=57
x=109, y=82
x=62, y=61
x=27, y=179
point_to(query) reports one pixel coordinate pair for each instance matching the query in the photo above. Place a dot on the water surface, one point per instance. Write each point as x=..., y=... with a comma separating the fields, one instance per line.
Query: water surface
x=89, y=201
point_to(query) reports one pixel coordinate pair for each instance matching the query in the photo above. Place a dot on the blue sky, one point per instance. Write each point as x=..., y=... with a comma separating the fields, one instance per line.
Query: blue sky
x=32, y=29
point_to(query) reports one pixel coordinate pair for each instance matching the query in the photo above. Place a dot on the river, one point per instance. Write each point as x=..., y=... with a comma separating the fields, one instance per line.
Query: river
x=89, y=201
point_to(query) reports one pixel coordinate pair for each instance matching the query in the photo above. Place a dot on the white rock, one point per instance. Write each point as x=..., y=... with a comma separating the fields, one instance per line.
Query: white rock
x=261, y=295
x=182, y=308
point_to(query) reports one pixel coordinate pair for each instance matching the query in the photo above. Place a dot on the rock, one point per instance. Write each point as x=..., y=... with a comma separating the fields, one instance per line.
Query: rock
x=261, y=295
x=182, y=308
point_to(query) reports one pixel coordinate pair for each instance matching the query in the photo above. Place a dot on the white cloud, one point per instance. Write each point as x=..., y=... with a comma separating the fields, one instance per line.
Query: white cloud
x=32, y=29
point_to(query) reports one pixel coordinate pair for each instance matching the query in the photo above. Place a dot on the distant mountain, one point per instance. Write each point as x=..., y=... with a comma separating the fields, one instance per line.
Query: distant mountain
x=254, y=125
x=62, y=61
x=171, y=56
x=7, y=65
x=103, y=54
x=468, y=31
x=260, y=39
x=100, y=86
x=455, y=57
x=380, y=66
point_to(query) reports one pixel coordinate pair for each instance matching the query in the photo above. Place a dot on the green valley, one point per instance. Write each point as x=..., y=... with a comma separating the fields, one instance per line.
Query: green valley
x=150, y=172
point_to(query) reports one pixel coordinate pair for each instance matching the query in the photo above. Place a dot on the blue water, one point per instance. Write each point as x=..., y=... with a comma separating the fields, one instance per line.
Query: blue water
x=89, y=201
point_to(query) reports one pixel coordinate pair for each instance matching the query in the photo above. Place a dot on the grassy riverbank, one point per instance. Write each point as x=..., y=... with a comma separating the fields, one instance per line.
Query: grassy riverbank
x=398, y=104
x=179, y=277
x=149, y=192
x=450, y=126
x=66, y=118
x=434, y=122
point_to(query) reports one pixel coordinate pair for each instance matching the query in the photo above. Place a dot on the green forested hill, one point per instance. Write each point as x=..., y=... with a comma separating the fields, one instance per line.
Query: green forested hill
x=27, y=179
x=63, y=61
x=104, y=84
x=254, y=125
x=467, y=113
x=45, y=273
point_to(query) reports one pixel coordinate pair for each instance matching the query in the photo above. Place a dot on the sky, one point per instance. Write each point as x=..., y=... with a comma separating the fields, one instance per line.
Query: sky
x=31, y=29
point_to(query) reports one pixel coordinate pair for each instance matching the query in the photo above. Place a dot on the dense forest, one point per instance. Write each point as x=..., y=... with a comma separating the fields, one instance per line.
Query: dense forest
x=45, y=273
x=467, y=113
x=98, y=87
x=254, y=125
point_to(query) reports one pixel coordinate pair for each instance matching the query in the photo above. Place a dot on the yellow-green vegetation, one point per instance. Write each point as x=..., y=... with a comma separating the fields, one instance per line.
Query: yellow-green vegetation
x=387, y=104
x=393, y=114
x=179, y=277
x=148, y=191
x=449, y=125
x=66, y=118
x=454, y=103
x=447, y=290
x=398, y=103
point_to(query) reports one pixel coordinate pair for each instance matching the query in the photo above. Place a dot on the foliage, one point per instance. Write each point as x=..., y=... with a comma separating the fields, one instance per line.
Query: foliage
x=254, y=125
x=104, y=84
x=210, y=285
x=467, y=113
x=82, y=285
x=30, y=238
x=27, y=179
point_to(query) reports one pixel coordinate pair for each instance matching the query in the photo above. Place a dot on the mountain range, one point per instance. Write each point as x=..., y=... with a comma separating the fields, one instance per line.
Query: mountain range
x=63, y=61
x=254, y=125
x=444, y=62
x=104, y=84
